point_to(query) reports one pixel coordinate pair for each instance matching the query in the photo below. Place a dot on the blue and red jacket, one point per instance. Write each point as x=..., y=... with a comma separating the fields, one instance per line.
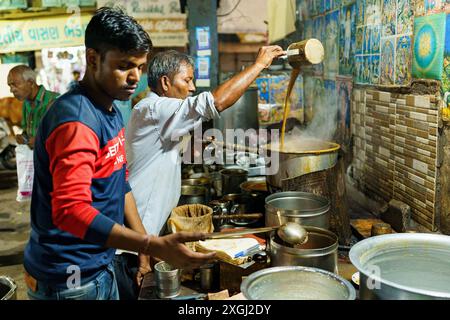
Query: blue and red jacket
x=79, y=189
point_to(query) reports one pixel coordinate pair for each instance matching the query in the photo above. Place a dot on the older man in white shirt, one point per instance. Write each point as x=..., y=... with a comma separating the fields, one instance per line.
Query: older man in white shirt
x=167, y=114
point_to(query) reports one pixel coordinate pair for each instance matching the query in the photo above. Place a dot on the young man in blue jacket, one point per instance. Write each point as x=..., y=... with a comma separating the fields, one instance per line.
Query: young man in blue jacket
x=82, y=206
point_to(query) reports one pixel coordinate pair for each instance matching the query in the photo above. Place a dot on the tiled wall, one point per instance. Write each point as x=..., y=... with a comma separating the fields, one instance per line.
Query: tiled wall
x=395, y=149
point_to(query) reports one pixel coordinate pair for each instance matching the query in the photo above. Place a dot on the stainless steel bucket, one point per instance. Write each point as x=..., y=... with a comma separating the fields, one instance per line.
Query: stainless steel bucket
x=403, y=266
x=296, y=283
x=320, y=251
x=304, y=208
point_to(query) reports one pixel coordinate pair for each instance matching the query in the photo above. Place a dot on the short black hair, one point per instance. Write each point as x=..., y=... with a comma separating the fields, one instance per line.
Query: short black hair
x=166, y=63
x=111, y=28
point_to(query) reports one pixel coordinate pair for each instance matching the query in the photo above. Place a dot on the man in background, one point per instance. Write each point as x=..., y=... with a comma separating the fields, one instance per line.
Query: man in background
x=36, y=100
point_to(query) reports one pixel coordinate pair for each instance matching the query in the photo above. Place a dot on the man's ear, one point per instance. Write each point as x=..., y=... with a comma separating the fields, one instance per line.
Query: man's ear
x=165, y=83
x=92, y=58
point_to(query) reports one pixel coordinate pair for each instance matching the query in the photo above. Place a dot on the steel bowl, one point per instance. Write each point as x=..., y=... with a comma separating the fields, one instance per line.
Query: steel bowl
x=296, y=283
x=403, y=266
x=304, y=208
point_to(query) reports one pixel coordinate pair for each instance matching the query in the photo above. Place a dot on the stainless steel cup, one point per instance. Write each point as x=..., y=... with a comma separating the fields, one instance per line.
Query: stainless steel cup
x=168, y=280
x=207, y=276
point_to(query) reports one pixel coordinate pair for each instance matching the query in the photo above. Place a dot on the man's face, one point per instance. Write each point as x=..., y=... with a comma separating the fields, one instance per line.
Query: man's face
x=182, y=84
x=118, y=73
x=20, y=88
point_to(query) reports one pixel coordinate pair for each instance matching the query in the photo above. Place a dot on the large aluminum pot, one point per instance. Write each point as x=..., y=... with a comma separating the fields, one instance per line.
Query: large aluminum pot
x=304, y=208
x=296, y=283
x=305, y=156
x=320, y=251
x=403, y=266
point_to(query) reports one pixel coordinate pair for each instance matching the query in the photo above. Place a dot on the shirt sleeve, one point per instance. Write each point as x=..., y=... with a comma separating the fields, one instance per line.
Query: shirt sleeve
x=176, y=117
x=24, y=118
x=73, y=148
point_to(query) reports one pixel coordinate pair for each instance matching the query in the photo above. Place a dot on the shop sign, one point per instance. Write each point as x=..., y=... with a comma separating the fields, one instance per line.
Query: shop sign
x=146, y=9
x=36, y=34
x=169, y=32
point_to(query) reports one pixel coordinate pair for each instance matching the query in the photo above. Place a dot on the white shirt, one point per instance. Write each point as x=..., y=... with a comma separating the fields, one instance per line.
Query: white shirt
x=153, y=151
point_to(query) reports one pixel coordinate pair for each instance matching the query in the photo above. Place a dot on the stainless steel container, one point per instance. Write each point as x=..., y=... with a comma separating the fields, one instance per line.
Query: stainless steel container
x=208, y=277
x=199, y=182
x=403, y=266
x=168, y=280
x=193, y=195
x=243, y=114
x=232, y=179
x=304, y=208
x=256, y=188
x=320, y=251
x=296, y=283
x=315, y=155
x=8, y=288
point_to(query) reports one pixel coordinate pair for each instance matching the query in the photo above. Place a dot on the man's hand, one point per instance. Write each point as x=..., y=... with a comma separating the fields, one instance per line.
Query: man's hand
x=267, y=54
x=20, y=139
x=171, y=249
x=143, y=268
x=31, y=142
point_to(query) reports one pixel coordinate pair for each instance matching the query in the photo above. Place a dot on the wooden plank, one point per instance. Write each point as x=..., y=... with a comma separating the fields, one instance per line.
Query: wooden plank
x=363, y=227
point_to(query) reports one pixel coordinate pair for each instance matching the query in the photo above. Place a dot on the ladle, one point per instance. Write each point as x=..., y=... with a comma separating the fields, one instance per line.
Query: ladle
x=289, y=232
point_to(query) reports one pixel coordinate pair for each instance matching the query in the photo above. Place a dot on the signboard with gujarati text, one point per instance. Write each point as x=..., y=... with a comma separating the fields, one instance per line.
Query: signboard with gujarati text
x=36, y=34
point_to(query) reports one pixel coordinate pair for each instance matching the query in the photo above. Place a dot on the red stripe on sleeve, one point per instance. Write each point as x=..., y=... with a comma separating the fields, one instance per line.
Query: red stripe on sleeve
x=72, y=148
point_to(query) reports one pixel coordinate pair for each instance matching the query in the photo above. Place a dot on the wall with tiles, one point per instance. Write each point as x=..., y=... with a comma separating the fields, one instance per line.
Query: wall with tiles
x=396, y=148
x=394, y=56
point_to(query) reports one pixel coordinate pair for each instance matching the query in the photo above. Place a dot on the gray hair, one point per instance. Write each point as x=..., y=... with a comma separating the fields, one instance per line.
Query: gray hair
x=25, y=71
x=166, y=63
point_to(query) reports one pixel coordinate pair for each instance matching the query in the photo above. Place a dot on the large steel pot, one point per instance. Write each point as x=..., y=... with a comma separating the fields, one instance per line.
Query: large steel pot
x=199, y=182
x=320, y=251
x=311, y=155
x=403, y=266
x=296, y=283
x=193, y=195
x=304, y=208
